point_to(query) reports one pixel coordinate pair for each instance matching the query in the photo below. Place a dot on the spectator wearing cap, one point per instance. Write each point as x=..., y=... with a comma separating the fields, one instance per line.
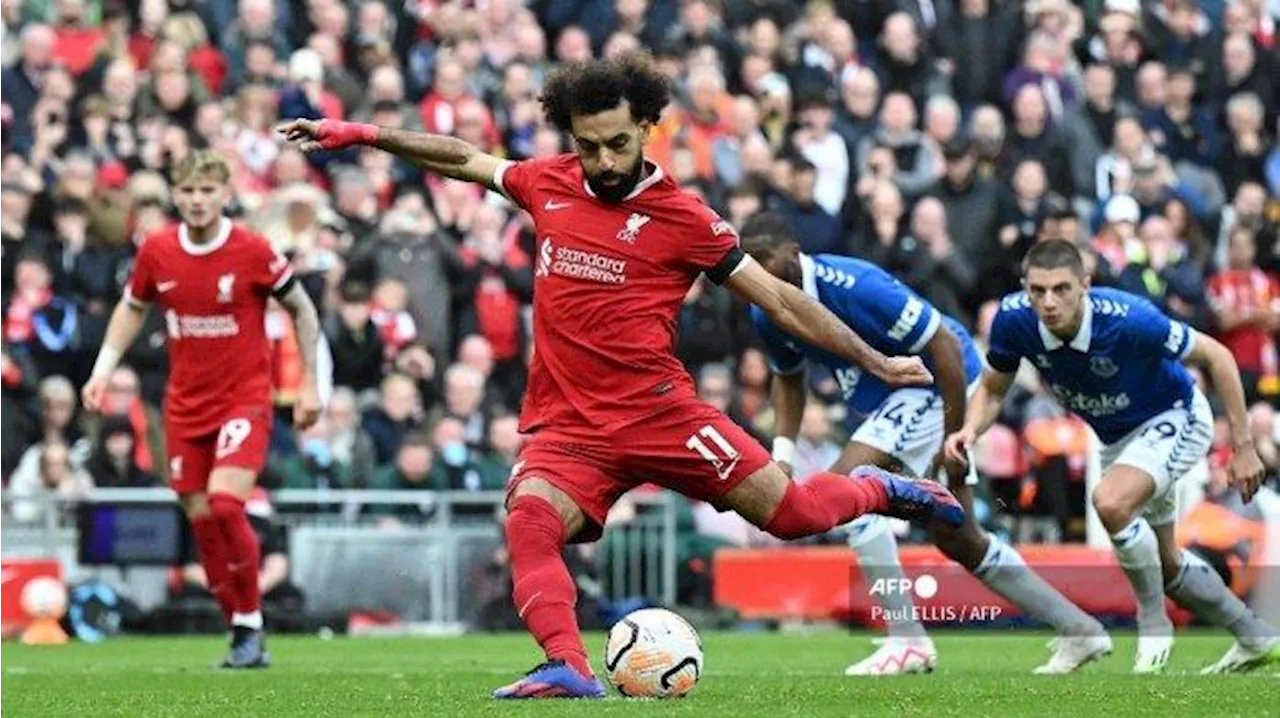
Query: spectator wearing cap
x=913, y=158
x=304, y=93
x=968, y=199
x=1163, y=272
x=1182, y=130
x=825, y=149
x=817, y=230
x=1117, y=237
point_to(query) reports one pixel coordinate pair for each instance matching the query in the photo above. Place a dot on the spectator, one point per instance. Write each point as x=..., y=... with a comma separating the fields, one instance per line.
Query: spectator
x=123, y=400
x=43, y=324
x=1246, y=307
x=706, y=313
x=1164, y=273
x=988, y=134
x=1182, y=36
x=715, y=386
x=1035, y=138
x=388, y=313
x=929, y=262
x=1244, y=157
x=1241, y=74
x=913, y=159
x=1042, y=67
x=412, y=470
x=985, y=42
x=1101, y=108
x=1117, y=239
x=504, y=449
x=1153, y=86
x=493, y=281
x=877, y=238
x=904, y=64
x=465, y=401
x=815, y=449
x=817, y=229
x=458, y=466
x=1180, y=129
x=113, y=461
x=22, y=84
x=53, y=473
x=1248, y=209
x=334, y=453
x=726, y=150
x=1020, y=212
x=825, y=150
x=399, y=412
x=856, y=119
x=358, y=352
x=968, y=199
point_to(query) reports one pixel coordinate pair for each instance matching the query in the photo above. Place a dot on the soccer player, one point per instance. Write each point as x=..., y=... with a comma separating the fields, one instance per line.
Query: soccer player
x=213, y=279
x=608, y=405
x=902, y=431
x=1117, y=361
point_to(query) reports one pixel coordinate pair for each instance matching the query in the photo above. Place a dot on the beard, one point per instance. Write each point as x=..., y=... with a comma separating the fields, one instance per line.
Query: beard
x=626, y=182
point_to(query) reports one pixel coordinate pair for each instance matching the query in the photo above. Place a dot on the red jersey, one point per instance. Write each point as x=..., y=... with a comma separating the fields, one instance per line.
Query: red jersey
x=1247, y=292
x=609, y=281
x=214, y=297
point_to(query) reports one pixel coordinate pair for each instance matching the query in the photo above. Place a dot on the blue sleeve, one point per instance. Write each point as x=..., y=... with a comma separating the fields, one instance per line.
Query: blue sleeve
x=784, y=357
x=1003, y=354
x=1155, y=333
x=908, y=322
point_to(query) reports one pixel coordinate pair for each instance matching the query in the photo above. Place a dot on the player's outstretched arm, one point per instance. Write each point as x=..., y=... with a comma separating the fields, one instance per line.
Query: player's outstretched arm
x=441, y=154
x=787, y=392
x=803, y=318
x=982, y=411
x=1246, y=466
x=122, y=329
x=306, y=323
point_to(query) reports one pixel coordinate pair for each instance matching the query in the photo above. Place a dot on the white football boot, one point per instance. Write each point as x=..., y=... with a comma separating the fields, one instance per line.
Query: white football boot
x=1247, y=655
x=1153, y=654
x=897, y=656
x=1072, y=652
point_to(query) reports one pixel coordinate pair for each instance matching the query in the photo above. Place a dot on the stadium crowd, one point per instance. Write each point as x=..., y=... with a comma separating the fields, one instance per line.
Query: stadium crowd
x=937, y=138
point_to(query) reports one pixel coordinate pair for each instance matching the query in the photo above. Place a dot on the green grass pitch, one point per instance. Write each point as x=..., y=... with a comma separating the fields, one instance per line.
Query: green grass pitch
x=980, y=675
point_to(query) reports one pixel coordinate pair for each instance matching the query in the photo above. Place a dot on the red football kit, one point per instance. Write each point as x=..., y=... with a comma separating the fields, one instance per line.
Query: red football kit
x=217, y=407
x=608, y=404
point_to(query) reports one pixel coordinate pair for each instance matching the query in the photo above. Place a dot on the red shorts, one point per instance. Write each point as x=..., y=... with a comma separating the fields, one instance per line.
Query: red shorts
x=692, y=449
x=242, y=442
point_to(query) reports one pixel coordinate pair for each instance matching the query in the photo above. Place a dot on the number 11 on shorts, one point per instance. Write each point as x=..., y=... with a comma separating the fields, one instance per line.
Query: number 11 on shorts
x=725, y=461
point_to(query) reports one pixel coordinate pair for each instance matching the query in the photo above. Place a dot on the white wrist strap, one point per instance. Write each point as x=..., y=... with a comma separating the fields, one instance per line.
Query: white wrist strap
x=784, y=450
x=108, y=360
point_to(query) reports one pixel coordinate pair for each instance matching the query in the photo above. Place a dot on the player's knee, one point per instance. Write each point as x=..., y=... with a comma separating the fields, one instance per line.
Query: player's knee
x=1114, y=505
x=196, y=505
x=523, y=501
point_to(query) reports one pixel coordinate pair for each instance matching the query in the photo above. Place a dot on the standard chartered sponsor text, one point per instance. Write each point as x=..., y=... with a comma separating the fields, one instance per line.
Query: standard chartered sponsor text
x=589, y=265
x=207, y=327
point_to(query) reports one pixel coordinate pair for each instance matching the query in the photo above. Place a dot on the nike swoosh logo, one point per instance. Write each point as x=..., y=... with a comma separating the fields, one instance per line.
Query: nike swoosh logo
x=551, y=205
x=163, y=287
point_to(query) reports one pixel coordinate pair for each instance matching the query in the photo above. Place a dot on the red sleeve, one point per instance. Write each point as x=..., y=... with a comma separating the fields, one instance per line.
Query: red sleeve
x=142, y=283
x=517, y=179
x=269, y=269
x=715, y=248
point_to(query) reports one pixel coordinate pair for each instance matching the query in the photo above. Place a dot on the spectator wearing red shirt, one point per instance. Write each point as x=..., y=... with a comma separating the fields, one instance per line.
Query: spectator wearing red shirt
x=1246, y=303
x=495, y=281
x=78, y=43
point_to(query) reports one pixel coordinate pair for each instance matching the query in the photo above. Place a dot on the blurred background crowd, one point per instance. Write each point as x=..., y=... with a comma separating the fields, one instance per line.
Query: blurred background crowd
x=936, y=138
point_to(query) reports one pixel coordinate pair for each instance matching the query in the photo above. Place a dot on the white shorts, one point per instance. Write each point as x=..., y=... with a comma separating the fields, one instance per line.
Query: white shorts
x=908, y=425
x=1165, y=447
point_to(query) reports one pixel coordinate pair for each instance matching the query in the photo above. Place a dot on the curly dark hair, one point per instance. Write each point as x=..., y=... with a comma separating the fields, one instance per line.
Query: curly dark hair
x=586, y=88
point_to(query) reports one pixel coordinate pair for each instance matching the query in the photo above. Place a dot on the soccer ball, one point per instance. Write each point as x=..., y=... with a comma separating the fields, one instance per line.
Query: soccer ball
x=44, y=597
x=653, y=653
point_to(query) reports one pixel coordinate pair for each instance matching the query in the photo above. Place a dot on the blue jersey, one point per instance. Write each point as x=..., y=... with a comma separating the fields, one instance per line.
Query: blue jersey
x=881, y=309
x=1123, y=367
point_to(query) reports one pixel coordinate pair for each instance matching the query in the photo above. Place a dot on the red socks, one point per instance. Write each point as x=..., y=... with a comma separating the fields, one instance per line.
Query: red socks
x=213, y=556
x=242, y=551
x=544, y=592
x=824, y=502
